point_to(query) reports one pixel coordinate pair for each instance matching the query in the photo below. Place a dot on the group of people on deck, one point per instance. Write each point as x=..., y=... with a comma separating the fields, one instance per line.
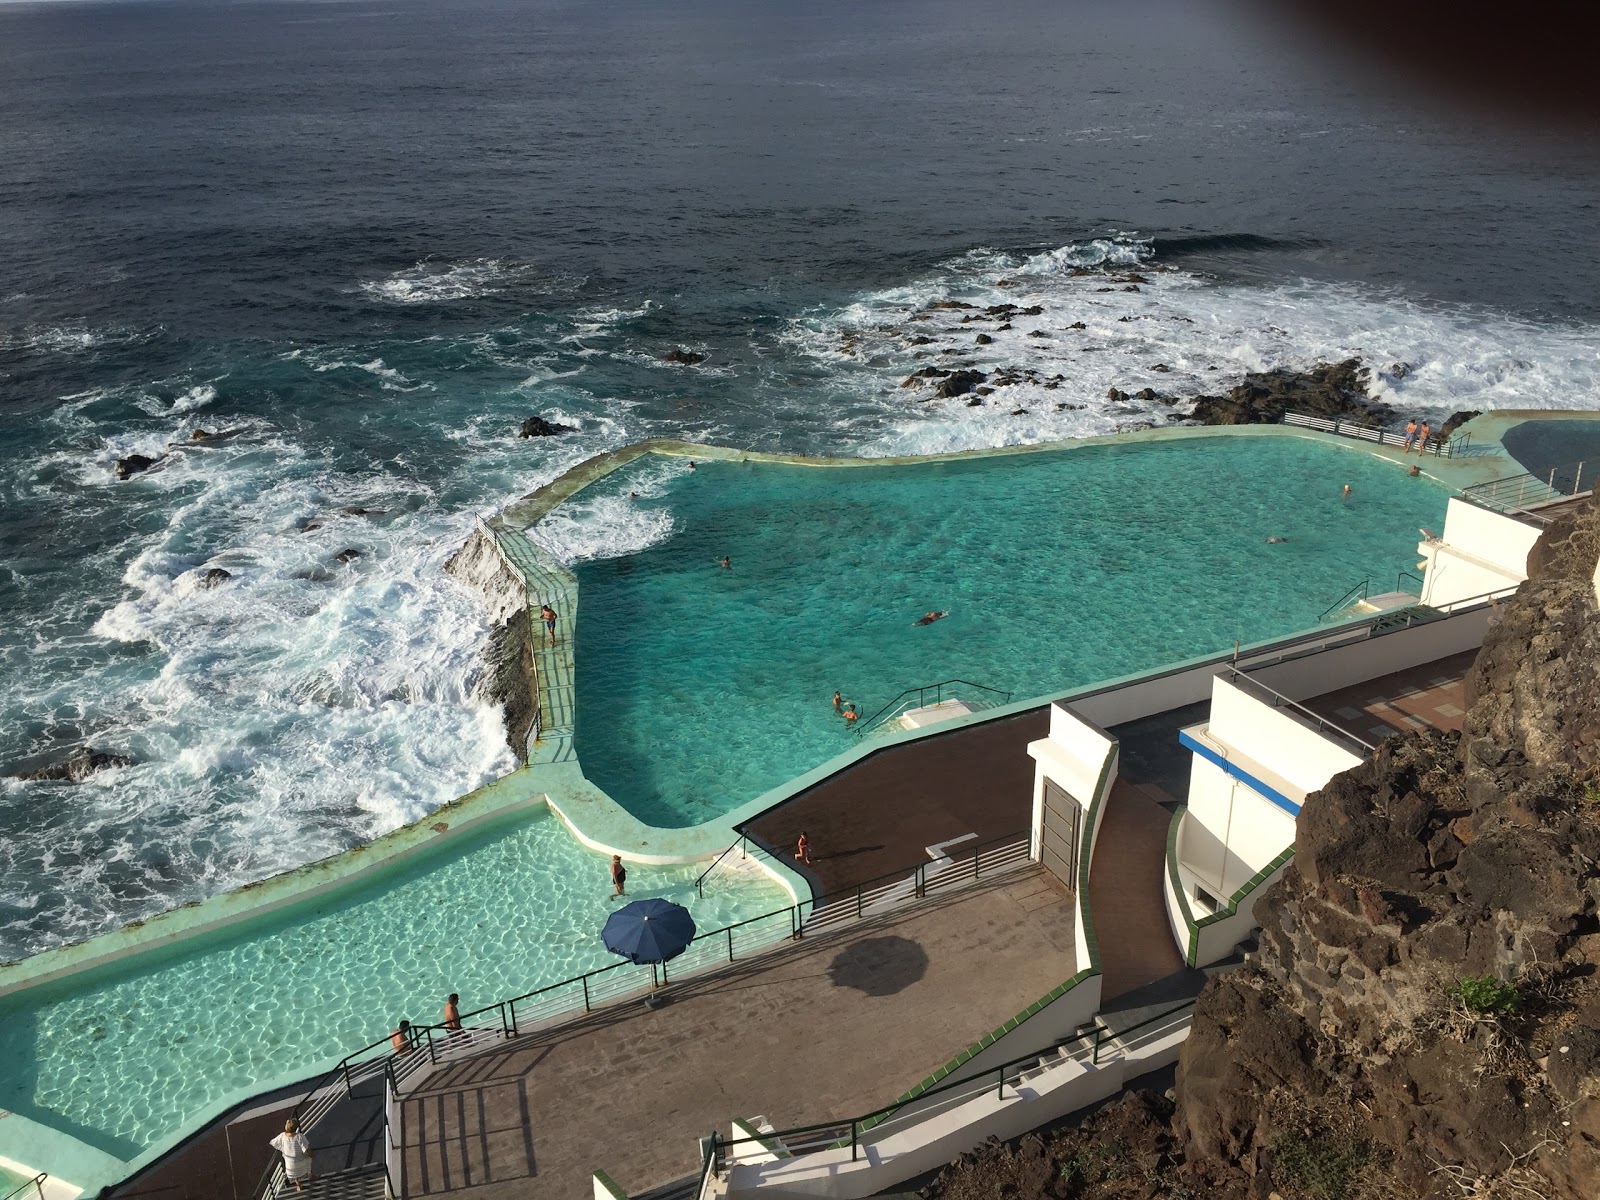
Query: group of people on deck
x=1417, y=436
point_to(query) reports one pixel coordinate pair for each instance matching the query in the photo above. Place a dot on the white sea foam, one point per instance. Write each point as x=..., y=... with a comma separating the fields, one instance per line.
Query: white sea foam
x=434, y=283
x=1174, y=332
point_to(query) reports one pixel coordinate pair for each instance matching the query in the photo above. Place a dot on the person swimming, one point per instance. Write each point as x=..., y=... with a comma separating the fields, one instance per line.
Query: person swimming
x=1272, y=541
x=930, y=617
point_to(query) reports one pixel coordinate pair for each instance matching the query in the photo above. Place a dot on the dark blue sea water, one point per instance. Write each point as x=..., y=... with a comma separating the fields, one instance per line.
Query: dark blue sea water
x=372, y=236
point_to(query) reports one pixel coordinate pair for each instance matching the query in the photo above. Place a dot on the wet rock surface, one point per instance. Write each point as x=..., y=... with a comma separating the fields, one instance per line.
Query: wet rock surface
x=133, y=464
x=76, y=766
x=1422, y=1015
x=539, y=427
x=1326, y=390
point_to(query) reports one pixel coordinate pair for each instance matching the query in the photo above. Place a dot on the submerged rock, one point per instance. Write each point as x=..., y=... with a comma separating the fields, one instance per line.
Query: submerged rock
x=215, y=576
x=539, y=427
x=684, y=358
x=347, y=555
x=133, y=464
x=77, y=766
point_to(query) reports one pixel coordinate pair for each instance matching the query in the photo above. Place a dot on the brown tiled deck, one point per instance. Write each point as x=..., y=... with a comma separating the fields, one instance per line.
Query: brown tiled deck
x=1432, y=696
x=880, y=815
x=821, y=1030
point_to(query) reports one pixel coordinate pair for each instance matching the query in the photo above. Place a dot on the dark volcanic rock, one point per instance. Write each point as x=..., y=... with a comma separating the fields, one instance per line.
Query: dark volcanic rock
x=215, y=576
x=77, y=766
x=1446, y=856
x=133, y=464
x=684, y=358
x=347, y=555
x=983, y=339
x=959, y=383
x=1326, y=390
x=538, y=427
x=1456, y=421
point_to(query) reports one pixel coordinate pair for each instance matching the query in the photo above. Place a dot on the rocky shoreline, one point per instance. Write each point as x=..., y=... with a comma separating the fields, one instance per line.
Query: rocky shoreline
x=1422, y=1016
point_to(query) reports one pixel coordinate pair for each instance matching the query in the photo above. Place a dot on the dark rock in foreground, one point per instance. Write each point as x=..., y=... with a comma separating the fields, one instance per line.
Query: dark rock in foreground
x=1332, y=390
x=538, y=427
x=215, y=576
x=958, y=383
x=77, y=766
x=1456, y=421
x=133, y=464
x=684, y=358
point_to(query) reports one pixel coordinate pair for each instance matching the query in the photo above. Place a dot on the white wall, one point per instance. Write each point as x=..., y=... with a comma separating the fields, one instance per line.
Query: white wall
x=1230, y=832
x=1218, y=938
x=1372, y=657
x=1274, y=740
x=1072, y=755
x=1480, y=551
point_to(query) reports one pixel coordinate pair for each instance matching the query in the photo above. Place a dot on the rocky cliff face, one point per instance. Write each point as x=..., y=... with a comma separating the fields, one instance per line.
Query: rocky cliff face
x=510, y=680
x=1421, y=1017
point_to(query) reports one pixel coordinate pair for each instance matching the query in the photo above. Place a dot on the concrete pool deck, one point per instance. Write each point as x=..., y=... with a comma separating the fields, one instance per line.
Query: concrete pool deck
x=833, y=1027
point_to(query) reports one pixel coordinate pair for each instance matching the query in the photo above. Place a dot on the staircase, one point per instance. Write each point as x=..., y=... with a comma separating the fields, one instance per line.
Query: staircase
x=359, y=1183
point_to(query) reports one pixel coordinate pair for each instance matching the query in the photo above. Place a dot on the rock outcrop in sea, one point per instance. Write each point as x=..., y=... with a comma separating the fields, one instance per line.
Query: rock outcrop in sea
x=1421, y=1018
x=1333, y=390
x=509, y=680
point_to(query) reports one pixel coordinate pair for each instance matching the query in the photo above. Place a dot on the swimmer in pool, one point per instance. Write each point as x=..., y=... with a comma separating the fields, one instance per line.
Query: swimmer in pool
x=1272, y=541
x=930, y=618
x=725, y=563
x=838, y=702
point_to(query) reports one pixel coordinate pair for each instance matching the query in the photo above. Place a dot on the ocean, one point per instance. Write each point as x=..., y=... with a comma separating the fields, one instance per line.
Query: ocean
x=367, y=238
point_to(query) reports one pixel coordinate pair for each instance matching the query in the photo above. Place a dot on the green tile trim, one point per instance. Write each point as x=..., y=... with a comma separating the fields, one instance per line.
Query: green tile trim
x=1251, y=885
x=610, y=1186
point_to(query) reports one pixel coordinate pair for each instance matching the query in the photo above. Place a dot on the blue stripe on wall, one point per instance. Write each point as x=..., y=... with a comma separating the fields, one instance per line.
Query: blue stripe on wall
x=1243, y=776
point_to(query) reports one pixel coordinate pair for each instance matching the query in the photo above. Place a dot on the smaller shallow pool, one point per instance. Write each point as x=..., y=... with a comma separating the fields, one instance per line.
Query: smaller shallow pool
x=122, y=1058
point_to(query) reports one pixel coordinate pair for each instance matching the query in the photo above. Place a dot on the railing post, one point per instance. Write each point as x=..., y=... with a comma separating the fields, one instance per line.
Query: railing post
x=346, y=1065
x=504, y=1024
x=852, y=1141
x=975, y=855
x=431, y=1056
x=1095, y=1057
x=858, y=901
x=1000, y=1090
x=511, y=1007
x=586, y=1007
x=730, y=943
x=922, y=881
x=1577, y=483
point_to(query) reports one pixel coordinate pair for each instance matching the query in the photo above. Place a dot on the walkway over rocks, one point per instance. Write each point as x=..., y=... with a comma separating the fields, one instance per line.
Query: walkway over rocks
x=831, y=1027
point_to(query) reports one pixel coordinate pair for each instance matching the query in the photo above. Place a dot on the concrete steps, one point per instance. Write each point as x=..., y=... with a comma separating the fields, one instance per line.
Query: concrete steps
x=360, y=1183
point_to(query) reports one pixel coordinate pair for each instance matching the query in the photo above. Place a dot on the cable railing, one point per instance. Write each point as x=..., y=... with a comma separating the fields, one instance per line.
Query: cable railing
x=1086, y=1046
x=31, y=1189
x=427, y=1046
x=939, y=692
x=1516, y=493
x=1278, y=700
x=1434, y=444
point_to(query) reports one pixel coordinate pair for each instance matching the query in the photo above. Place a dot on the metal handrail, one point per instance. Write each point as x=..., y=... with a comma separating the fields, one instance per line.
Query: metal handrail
x=1434, y=443
x=834, y=1132
x=36, y=1183
x=1279, y=700
x=1411, y=575
x=1358, y=592
x=699, y=884
x=921, y=693
x=424, y=1050
x=1511, y=493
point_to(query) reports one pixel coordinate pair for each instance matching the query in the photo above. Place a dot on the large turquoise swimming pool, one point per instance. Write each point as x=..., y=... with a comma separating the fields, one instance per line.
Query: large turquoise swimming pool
x=700, y=688
x=122, y=1058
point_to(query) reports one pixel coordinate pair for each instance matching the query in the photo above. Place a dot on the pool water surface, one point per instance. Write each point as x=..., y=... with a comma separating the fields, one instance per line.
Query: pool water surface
x=121, y=1058
x=700, y=688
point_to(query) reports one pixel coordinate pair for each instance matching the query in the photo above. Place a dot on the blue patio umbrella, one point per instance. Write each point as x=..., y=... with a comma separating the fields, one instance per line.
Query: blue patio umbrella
x=649, y=931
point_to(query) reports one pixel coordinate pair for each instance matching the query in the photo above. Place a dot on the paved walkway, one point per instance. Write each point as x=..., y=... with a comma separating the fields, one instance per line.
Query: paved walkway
x=1432, y=696
x=826, y=1029
x=878, y=816
x=1125, y=893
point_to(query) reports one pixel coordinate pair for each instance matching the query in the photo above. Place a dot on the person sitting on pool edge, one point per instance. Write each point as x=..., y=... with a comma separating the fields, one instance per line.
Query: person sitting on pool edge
x=929, y=618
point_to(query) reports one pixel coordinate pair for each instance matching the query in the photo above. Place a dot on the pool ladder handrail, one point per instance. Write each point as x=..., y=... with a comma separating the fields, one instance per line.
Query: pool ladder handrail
x=937, y=689
x=36, y=1183
x=699, y=884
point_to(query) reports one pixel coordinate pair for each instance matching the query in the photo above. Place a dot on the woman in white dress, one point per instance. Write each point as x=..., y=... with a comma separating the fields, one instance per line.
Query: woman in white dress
x=296, y=1151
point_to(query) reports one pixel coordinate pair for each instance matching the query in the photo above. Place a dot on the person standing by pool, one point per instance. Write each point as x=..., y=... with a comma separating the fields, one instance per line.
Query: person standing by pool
x=548, y=616
x=400, y=1039
x=1422, y=438
x=296, y=1151
x=619, y=875
x=452, y=1014
x=1411, y=435
x=802, y=849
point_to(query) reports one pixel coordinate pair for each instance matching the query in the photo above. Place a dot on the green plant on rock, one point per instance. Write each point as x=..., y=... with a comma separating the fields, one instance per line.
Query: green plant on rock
x=1591, y=793
x=1487, y=995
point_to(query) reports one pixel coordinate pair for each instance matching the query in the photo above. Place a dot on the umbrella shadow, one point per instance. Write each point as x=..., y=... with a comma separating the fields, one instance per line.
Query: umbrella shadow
x=880, y=966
